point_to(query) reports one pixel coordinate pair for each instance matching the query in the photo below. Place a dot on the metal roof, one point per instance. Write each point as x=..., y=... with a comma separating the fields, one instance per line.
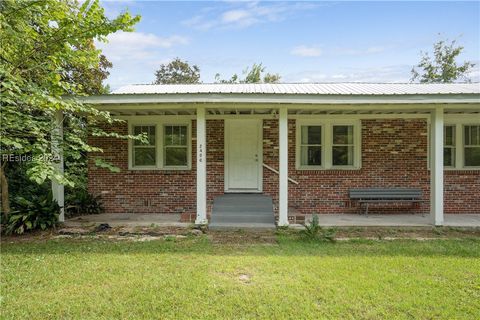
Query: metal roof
x=305, y=88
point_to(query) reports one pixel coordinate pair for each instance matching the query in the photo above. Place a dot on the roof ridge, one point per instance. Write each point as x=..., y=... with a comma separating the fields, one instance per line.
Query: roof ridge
x=301, y=83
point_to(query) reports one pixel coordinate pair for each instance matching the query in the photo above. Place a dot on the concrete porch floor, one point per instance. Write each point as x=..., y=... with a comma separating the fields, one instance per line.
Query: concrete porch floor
x=339, y=220
x=396, y=220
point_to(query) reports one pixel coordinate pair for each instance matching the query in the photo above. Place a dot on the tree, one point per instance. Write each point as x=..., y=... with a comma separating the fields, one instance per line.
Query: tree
x=47, y=49
x=177, y=72
x=89, y=78
x=255, y=74
x=442, y=68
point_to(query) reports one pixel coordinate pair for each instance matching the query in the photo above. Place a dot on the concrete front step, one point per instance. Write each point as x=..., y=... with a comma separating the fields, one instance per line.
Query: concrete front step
x=243, y=219
x=244, y=207
x=240, y=225
x=242, y=210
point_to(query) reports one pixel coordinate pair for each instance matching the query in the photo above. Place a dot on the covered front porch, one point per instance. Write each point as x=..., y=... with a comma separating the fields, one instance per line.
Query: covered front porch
x=253, y=143
x=326, y=220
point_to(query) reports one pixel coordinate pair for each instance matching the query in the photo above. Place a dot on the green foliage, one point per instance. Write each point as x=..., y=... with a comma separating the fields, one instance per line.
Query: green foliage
x=177, y=72
x=313, y=231
x=99, y=162
x=442, y=68
x=83, y=202
x=37, y=212
x=255, y=74
x=47, y=53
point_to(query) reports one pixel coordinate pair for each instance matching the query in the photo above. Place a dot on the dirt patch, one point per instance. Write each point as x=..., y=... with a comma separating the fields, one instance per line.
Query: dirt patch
x=245, y=278
x=241, y=237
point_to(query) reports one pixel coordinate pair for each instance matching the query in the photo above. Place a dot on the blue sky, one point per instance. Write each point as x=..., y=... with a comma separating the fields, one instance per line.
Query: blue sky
x=302, y=41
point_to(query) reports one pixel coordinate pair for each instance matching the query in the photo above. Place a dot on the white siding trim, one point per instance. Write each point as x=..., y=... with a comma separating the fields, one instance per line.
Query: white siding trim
x=201, y=218
x=436, y=172
x=283, y=167
x=58, y=189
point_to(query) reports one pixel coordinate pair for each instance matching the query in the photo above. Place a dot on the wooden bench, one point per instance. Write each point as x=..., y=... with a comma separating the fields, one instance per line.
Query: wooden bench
x=384, y=195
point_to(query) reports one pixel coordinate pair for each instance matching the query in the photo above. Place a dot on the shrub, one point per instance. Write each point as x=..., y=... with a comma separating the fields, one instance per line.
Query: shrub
x=38, y=212
x=83, y=202
x=313, y=231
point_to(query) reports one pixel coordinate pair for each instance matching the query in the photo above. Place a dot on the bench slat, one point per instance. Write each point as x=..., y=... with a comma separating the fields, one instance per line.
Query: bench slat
x=386, y=193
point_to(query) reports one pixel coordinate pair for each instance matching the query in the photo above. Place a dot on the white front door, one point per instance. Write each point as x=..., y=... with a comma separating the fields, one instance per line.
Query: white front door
x=243, y=155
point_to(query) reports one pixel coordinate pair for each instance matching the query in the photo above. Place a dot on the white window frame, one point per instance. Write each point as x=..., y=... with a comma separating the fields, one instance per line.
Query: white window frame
x=459, y=122
x=454, y=146
x=327, y=143
x=159, y=144
x=299, y=147
x=132, y=146
x=464, y=146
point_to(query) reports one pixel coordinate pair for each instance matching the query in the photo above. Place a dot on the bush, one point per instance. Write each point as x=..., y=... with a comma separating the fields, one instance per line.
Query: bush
x=38, y=212
x=83, y=202
x=313, y=231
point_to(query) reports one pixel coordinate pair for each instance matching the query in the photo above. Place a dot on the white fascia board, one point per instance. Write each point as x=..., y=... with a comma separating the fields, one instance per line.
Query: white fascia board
x=281, y=99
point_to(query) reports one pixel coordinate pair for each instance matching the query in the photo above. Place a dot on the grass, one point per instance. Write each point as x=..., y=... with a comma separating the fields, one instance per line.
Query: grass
x=197, y=278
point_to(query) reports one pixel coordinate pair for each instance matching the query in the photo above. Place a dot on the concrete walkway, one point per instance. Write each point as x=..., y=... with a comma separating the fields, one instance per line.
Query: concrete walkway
x=339, y=220
x=396, y=220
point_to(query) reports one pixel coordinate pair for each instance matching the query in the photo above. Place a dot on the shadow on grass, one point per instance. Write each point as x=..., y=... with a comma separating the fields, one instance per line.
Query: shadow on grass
x=285, y=245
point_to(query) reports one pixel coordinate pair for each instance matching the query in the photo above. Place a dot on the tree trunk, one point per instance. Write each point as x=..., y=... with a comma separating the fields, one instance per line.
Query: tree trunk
x=4, y=191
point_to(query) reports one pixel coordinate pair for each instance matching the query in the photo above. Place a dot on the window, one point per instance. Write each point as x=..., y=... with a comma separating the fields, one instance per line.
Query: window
x=328, y=144
x=311, y=146
x=472, y=145
x=169, y=145
x=144, y=153
x=449, y=146
x=342, y=146
x=175, y=146
x=461, y=143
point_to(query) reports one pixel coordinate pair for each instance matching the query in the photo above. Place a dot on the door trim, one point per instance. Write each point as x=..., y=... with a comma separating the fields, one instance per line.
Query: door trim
x=227, y=123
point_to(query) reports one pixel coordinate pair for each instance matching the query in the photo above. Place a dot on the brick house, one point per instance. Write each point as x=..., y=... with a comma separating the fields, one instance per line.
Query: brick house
x=302, y=145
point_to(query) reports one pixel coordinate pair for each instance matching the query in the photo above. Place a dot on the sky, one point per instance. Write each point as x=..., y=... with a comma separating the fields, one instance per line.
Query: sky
x=302, y=41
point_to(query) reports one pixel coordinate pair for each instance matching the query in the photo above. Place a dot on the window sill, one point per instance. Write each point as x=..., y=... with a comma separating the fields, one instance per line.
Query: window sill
x=159, y=169
x=452, y=171
x=328, y=169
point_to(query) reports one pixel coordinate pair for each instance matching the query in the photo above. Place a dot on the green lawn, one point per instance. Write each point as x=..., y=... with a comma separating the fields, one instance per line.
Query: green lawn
x=196, y=278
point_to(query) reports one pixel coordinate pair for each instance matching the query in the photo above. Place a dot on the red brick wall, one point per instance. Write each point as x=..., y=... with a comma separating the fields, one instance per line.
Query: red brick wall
x=394, y=154
x=140, y=191
x=462, y=191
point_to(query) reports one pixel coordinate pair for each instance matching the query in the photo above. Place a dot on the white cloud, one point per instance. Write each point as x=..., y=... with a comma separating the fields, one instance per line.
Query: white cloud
x=235, y=15
x=394, y=73
x=144, y=40
x=245, y=14
x=357, y=51
x=306, y=51
x=136, y=55
x=315, y=51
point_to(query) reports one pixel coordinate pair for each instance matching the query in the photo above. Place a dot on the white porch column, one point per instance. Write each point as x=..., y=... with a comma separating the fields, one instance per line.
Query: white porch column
x=283, y=167
x=436, y=167
x=201, y=167
x=58, y=190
